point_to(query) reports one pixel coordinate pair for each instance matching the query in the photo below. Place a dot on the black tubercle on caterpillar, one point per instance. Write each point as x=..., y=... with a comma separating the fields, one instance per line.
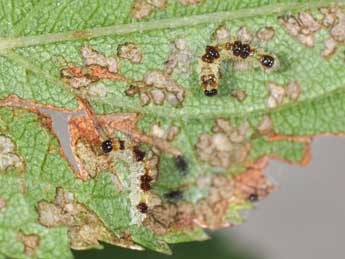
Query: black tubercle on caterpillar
x=142, y=207
x=107, y=146
x=209, y=63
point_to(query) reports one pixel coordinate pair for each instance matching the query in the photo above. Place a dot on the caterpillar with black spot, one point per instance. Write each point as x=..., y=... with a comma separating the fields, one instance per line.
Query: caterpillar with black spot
x=142, y=172
x=209, y=63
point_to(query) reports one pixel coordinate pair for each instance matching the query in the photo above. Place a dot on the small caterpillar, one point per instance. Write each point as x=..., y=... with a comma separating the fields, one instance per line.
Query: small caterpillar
x=233, y=50
x=141, y=174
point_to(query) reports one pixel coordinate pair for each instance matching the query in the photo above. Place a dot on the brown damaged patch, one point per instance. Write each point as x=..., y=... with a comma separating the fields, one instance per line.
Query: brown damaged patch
x=8, y=155
x=92, y=161
x=130, y=51
x=161, y=218
x=265, y=33
x=244, y=35
x=302, y=27
x=85, y=229
x=143, y=8
x=179, y=57
x=239, y=94
x=334, y=20
x=225, y=146
x=209, y=212
x=30, y=242
x=277, y=93
x=251, y=184
x=89, y=75
x=222, y=35
x=96, y=66
x=157, y=87
x=167, y=133
x=265, y=125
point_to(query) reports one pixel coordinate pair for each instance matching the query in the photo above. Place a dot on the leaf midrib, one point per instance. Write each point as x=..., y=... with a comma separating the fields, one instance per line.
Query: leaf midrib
x=169, y=23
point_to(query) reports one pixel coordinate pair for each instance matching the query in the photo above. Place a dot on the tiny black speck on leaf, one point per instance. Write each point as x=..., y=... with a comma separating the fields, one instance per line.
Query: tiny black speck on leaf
x=181, y=164
x=174, y=195
x=253, y=197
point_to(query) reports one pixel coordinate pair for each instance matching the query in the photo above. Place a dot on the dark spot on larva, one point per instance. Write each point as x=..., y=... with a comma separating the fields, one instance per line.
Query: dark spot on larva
x=142, y=207
x=174, y=195
x=208, y=80
x=211, y=92
x=211, y=54
x=245, y=51
x=146, y=182
x=237, y=48
x=138, y=154
x=267, y=61
x=107, y=146
x=121, y=144
x=181, y=164
x=253, y=197
x=145, y=186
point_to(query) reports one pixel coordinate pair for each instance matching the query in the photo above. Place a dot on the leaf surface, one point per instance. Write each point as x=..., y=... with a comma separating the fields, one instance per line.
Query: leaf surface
x=130, y=72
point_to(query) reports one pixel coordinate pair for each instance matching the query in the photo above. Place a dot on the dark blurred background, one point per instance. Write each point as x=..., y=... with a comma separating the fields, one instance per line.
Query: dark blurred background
x=217, y=247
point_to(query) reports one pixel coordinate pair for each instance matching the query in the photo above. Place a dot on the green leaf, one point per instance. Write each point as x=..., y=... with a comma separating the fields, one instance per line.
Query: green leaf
x=74, y=74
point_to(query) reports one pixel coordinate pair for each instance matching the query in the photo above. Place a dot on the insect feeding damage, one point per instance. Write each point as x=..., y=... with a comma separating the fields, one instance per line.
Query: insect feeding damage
x=130, y=51
x=143, y=8
x=157, y=87
x=304, y=25
x=91, y=159
x=211, y=211
x=96, y=66
x=265, y=33
x=225, y=146
x=179, y=57
x=277, y=93
x=30, y=242
x=8, y=155
x=251, y=184
x=85, y=229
